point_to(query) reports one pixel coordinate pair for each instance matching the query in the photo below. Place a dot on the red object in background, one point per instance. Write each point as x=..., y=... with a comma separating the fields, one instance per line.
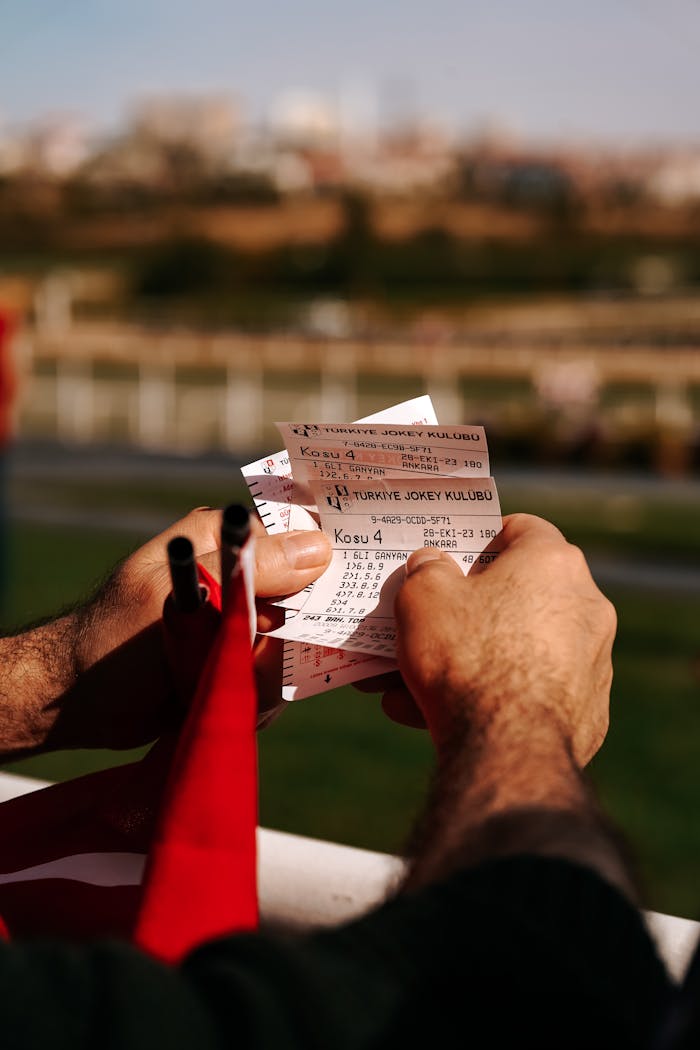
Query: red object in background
x=8, y=381
x=72, y=855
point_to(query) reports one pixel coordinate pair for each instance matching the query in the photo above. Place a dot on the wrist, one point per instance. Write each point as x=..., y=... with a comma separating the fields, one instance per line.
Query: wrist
x=494, y=731
x=503, y=762
x=507, y=786
x=112, y=616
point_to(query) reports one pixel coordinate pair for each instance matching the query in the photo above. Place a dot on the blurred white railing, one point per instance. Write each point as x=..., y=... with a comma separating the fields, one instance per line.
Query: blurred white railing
x=183, y=390
x=306, y=883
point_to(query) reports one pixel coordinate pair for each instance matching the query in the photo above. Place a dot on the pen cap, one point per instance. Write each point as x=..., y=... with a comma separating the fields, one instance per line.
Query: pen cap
x=238, y=555
x=180, y=551
x=235, y=525
x=183, y=574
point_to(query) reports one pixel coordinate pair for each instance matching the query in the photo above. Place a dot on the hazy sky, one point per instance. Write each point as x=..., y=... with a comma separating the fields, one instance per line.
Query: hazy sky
x=622, y=69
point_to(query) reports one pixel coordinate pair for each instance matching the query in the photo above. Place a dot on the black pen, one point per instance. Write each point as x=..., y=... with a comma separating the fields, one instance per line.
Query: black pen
x=235, y=532
x=187, y=593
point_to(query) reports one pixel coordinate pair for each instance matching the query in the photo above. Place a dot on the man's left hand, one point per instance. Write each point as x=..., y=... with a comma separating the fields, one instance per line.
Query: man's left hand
x=98, y=677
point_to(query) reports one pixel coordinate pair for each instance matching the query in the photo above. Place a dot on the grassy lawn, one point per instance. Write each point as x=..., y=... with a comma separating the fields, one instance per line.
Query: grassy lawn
x=616, y=521
x=335, y=768
x=648, y=774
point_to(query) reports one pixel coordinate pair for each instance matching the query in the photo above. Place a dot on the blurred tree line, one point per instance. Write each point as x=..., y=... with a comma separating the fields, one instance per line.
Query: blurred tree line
x=433, y=263
x=565, y=253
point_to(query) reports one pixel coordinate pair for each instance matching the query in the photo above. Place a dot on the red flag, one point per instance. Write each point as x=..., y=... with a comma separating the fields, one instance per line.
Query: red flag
x=201, y=875
x=72, y=856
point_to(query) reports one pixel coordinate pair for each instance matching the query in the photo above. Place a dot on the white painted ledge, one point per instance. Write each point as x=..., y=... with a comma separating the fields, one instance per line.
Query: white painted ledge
x=307, y=883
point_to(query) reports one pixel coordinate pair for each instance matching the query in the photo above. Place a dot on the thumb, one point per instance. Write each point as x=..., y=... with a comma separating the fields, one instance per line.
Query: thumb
x=287, y=562
x=429, y=573
x=433, y=558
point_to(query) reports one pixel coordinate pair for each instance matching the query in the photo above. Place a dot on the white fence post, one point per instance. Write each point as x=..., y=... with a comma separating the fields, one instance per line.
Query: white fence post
x=75, y=400
x=446, y=397
x=338, y=393
x=53, y=303
x=244, y=416
x=155, y=425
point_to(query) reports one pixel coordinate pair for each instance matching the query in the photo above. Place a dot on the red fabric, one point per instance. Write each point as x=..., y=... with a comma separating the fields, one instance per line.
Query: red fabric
x=110, y=812
x=201, y=876
x=8, y=382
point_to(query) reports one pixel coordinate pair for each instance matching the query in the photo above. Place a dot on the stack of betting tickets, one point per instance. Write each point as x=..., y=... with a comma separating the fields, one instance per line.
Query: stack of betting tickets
x=379, y=488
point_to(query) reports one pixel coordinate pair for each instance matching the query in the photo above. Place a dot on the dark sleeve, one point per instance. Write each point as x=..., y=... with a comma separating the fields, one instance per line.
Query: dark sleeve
x=530, y=950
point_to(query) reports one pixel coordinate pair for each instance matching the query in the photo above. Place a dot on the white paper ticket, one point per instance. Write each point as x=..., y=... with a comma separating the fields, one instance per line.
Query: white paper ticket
x=271, y=486
x=270, y=478
x=337, y=452
x=310, y=669
x=373, y=527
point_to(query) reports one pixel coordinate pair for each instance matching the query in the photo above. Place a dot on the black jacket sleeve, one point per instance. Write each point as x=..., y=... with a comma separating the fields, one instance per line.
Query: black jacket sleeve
x=526, y=951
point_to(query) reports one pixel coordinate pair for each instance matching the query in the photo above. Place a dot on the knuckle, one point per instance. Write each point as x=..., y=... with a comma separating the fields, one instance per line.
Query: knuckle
x=536, y=528
x=197, y=512
x=522, y=520
x=569, y=560
x=609, y=614
x=575, y=557
x=269, y=557
x=193, y=522
x=560, y=560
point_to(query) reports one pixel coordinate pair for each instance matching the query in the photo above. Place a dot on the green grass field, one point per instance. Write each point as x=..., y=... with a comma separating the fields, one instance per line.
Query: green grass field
x=335, y=768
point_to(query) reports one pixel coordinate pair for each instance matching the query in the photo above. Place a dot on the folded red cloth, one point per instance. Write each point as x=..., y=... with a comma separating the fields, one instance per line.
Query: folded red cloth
x=72, y=856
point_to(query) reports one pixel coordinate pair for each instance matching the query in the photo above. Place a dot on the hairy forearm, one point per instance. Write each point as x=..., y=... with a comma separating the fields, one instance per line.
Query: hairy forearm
x=502, y=792
x=37, y=669
x=95, y=677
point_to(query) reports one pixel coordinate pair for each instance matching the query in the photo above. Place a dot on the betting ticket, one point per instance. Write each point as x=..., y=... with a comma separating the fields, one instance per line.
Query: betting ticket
x=310, y=669
x=270, y=479
x=343, y=452
x=338, y=452
x=373, y=527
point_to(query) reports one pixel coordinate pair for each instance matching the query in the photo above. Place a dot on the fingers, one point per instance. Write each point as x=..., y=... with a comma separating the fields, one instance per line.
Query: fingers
x=528, y=543
x=522, y=535
x=428, y=571
x=202, y=527
x=270, y=617
x=287, y=562
x=379, y=683
x=528, y=528
x=400, y=707
x=432, y=559
x=284, y=563
x=397, y=702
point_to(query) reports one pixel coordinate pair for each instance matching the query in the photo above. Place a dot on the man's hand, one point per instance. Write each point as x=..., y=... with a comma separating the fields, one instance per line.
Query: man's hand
x=98, y=677
x=510, y=669
x=284, y=563
x=524, y=642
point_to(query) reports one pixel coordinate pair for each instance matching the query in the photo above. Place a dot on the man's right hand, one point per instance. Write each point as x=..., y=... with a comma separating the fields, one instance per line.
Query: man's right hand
x=510, y=668
x=523, y=642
